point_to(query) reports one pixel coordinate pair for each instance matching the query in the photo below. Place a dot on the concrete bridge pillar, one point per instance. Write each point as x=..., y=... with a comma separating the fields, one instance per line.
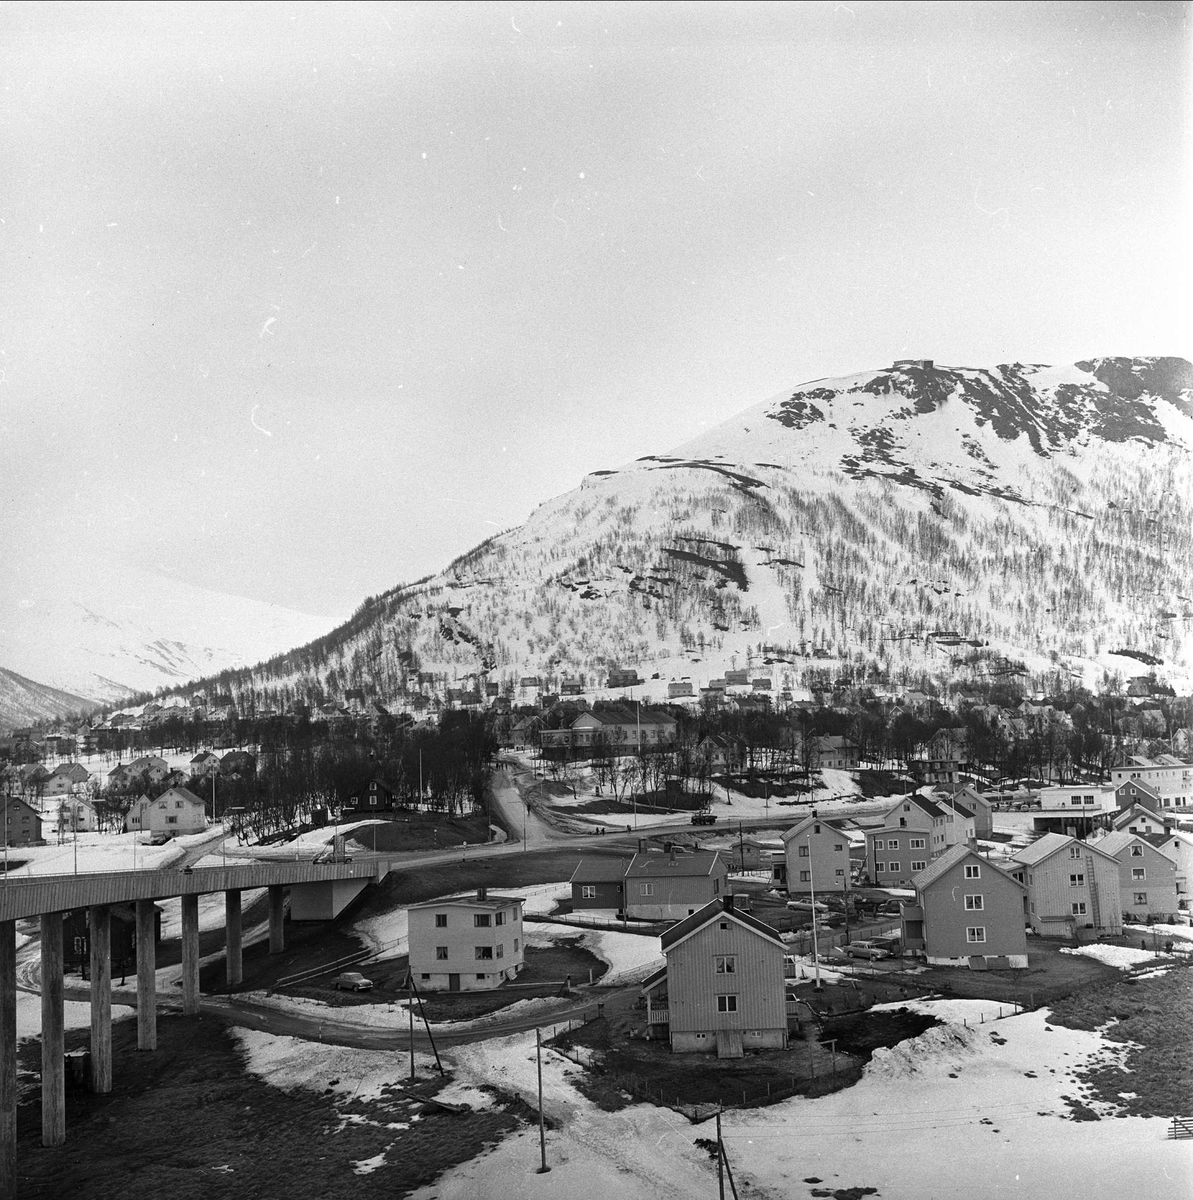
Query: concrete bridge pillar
x=277, y=919
x=53, y=1044
x=190, y=955
x=8, y=1058
x=99, y=919
x=146, y=975
x=235, y=951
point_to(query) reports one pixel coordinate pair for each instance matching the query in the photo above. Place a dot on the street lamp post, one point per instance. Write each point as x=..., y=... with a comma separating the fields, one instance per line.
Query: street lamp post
x=815, y=934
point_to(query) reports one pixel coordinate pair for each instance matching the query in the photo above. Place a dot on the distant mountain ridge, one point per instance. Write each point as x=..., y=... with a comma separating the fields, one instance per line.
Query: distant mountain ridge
x=22, y=701
x=917, y=521
x=105, y=631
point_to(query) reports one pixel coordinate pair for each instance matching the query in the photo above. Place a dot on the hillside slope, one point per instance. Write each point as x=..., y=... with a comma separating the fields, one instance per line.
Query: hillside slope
x=916, y=519
x=22, y=701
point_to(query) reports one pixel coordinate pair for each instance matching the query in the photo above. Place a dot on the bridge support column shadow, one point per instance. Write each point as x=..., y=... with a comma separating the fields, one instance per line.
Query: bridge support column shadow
x=277, y=919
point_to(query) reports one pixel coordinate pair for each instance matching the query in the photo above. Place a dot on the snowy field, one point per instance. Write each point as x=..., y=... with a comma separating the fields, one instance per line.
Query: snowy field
x=959, y=1113
x=956, y=1113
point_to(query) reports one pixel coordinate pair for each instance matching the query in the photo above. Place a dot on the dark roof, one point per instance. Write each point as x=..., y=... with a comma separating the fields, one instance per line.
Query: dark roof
x=712, y=911
x=949, y=859
x=702, y=862
x=598, y=870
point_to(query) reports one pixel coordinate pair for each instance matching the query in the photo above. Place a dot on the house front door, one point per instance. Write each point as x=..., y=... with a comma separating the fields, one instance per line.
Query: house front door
x=453, y=983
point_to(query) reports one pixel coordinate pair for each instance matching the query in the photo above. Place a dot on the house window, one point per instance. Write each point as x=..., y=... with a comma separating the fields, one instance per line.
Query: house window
x=840, y=873
x=441, y=953
x=646, y=889
x=816, y=829
x=918, y=865
x=1136, y=851
x=716, y=886
x=500, y=949
x=481, y=975
x=838, y=846
x=902, y=822
x=1077, y=880
x=1079, y=908
x=878, y=844
x=484, y=951
x=803, y=851
x=426, y=975
x=973, y=871
x=805, y=876
x=515, y=945
x=1140, y=897
x=880, y=868
x=441, y=920
x=725, y=964
x=917, y=843
x=481, y=920
x=975, y=933
x=1138, y=872
x=500, y=919
x=893, y=868
x=177, y=803
x=588, y=891
x=171, y=820
x=727, y=1004
x=1074, y=851
x=974, y=903
x=893, y=844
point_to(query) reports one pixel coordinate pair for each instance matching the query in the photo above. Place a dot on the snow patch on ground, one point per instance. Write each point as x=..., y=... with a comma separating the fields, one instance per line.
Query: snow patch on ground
x=1123, y=957
x=630, y=956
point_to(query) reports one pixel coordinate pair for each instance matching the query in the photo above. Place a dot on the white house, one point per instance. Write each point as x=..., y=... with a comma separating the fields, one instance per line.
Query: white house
x=173, y=813
x=466, y=943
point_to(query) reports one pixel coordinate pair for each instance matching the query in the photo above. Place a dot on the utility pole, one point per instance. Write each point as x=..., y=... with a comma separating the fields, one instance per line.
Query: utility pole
x=720, y=1159
x=538, y=1050
x=815, y=933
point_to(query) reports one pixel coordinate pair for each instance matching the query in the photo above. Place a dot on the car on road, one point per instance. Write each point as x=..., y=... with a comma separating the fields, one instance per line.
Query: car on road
x=351, y=981
x=704, y=818
x=866, y=949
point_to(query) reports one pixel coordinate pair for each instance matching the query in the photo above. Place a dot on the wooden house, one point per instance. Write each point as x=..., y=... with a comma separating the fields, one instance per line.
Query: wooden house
x=817, y=857
x=1147, y=877
x=967, y=912
x=598, y=883
x=1072, y=886
x=723, y=981
x=672, y=884
x=22, y=823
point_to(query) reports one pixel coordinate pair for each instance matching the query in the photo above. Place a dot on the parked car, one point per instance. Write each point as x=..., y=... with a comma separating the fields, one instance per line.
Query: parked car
x=866, y=949
x=892, y=945
x=351, y=981
x=704, y=818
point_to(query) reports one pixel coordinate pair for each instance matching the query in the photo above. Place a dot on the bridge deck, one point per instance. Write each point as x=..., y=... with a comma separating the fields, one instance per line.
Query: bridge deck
x=31, y=896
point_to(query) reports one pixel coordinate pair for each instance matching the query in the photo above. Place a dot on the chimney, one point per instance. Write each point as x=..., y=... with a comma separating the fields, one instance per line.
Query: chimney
x=727, y=902
x=671, y=848
x=641, y=845
x=482, y=893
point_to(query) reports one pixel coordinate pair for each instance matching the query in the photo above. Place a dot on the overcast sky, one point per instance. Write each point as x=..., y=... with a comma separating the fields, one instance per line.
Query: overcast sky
x=301, y=301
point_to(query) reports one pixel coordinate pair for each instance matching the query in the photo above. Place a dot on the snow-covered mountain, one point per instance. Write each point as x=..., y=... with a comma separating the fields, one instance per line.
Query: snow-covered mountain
x=918, y=518
x=105, y=633
x=22, y=701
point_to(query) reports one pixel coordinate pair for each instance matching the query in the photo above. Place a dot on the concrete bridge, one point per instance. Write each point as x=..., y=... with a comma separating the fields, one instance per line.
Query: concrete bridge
x=318, y=891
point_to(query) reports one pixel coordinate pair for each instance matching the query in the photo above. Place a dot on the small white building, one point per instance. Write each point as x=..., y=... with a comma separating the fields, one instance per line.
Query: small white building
x=466, y=943
x=70, y=814
x=175, y=812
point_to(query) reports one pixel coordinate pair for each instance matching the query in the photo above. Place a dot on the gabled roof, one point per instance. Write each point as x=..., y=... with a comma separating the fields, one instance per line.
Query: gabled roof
x=797, y=830
x=1050, y=844
x=1140, y=785
x=658, y=863
x=1115, y=843
x=714, y=910
x=181, y=793
x=598, y=870
x=1126, y=815
x=929, y=807
x=949, y=859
